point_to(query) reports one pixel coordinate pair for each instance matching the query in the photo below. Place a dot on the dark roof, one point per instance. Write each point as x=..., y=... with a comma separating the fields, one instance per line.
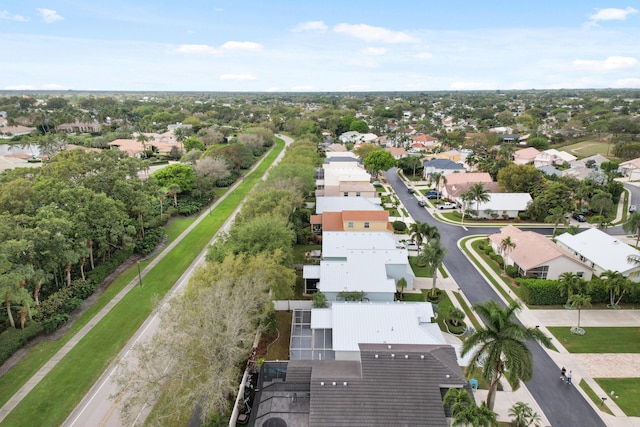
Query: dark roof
x=442, y=164
x=347, y=159
x=397, y=385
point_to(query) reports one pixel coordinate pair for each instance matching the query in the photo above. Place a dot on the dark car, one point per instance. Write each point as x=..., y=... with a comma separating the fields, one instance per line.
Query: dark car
x=411, y=190
x=433, y=195
x=579, y=217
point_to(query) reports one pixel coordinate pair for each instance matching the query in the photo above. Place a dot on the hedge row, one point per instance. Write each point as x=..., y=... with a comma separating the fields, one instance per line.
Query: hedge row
x=547, y=292
x=12, y=339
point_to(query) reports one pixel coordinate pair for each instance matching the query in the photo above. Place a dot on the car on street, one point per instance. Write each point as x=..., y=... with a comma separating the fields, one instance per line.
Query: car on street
x=579, y=217
x=411, y=190
x=633, y=208
x=433, y=194
x=422, y=203
x=446, y=205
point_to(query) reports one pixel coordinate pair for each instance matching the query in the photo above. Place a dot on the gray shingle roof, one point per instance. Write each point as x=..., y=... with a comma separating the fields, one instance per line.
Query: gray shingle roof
x=442, y=164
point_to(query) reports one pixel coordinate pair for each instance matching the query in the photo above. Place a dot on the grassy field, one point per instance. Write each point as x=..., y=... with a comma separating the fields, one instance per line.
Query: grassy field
x=50, y=402
x=627, y=391
x=589, y=148
x=599, y=340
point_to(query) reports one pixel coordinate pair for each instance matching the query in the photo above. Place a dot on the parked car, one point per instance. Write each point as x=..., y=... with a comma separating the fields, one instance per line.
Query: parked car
x=411, y=190
x=579, y=217
x=422, y=203
x=411, y=245
x=446, y=205
x=633, y=208
x=433, y=194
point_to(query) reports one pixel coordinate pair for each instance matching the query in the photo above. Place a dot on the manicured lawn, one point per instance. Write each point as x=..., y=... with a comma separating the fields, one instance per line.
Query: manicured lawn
x=279, y=348
x=594, y=397
x=176, y=226
x=419, y=271
x=300, y=250
x=471, y=317
x=50, y=402
x=414, y=297
x=627, y=390
x=589, y=148
x=485, y=273
x=599, y=340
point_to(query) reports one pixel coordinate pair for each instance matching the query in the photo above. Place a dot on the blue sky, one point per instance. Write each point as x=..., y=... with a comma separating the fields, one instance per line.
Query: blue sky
x=328, y=45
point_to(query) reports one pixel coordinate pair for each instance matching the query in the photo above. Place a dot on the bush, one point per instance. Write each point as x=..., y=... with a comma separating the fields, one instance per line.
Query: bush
x=399, y=226
x=497, y=258
x=13, y=339
x=511, y=271
x=151, y=239
x=53, y=323
x=541, y=292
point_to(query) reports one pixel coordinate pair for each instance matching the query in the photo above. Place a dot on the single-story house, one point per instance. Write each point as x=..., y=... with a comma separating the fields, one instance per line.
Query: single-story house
x=534, y=255
x=602, y=252
x=553, y=157
x=352, y=221
x=397, y=152
x=526, y=155
x=630, y=169
x=451, y=184
x=504, y=205
x=387, y=385
x=8, y=132
x=443, y=166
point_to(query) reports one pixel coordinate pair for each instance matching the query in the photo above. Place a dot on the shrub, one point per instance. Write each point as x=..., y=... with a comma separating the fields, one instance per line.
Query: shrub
x=151, y=239
x=13, y=339
x=511, y=271
x=54, y=322
x=541, y=292
x=399, y=226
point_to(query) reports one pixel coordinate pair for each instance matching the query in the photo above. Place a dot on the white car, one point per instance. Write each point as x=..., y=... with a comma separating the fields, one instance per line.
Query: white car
x=446, y=205
x=411, y=245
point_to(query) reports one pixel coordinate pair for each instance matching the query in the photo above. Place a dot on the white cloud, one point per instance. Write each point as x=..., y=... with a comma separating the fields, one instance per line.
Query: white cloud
x=627, y=83
x=424, y=55
x=4, y=14
x=240, y=77
x=197, y=49
x=20, y=87
x=355, y=88
x=49, y=15
x=53, y=86
x=373, y=34
x=374, y=51
x=612, y=63
x=303, y=88
x=249, y=46
x=611, y=14
x=310, y=26
x=272, y=89
x=472, y=86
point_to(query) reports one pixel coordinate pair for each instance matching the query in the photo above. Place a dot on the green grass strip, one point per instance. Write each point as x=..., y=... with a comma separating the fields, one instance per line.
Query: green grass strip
x=626, y=393
x=468, y=311
x=595, y=398
x=62, y=389
x=598, y=340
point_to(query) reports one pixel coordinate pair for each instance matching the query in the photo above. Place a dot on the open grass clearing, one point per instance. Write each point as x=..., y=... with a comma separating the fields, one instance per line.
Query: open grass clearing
x=626, y=393
x=599, y=340
x=51, y=401
x=278, y=347
x=589, y=148
x=595, y=398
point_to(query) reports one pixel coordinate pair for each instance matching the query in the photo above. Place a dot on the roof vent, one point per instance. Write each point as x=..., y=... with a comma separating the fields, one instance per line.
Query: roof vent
x=321, y=383
x=344, y=383
x=376, y=356
x=422, y=356
x=393, y=356
x=389, y=346
x=333, y=383
x=406, y=356
x=447, y=376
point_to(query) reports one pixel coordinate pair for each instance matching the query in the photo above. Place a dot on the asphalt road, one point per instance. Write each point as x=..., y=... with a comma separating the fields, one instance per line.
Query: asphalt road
x=563, y=405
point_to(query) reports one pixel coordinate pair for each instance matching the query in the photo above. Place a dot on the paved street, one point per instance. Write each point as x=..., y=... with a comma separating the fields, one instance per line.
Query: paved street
x=551, y=395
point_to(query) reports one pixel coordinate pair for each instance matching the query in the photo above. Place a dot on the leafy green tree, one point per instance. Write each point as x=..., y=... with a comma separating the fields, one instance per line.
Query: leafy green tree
x=580, y=301
x=500, y=347
x=520, y=179
x=556, y=194
x=617, y=285
x=379, y=160
x=569, y=283
x=601, y=202
x=192, y=143
x=178, y=174
x=359, y=126
x=319, y=300
x=401, y=285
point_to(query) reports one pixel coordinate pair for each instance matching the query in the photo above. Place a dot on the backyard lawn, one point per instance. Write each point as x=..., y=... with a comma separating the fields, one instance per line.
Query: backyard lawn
x=599, y=340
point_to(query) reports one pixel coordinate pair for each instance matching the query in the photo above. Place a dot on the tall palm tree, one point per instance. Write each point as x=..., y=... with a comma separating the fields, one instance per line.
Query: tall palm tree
x=568, y=282
x=430, y=232
x=556, y=216
x=416, y=232
x=479, y=194
x=174, y=189
x=580, y=301
x=500, y=348
x=466, y=198
x=632, y=225
x=465, y=412
x=433, y=255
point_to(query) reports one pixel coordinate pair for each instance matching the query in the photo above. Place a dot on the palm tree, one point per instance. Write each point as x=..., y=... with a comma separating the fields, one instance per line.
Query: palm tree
x=174, y=189
x=501, y=347
x=401, y=285
x=616, y=283
x=580, y=301
x=479, y=195
x=632, y=225
x=433, y=255
x=466, y=197
x=465, y=412
x=556, y=216
x=439, y=179
x=567, y=283
x=143, y=139
x=506, y=246
x=416, y=232
x=524, y=415
x=430, y=232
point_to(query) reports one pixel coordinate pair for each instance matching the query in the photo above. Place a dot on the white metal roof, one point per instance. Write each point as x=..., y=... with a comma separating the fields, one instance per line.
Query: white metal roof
x=337, y=243
x=505, y=202
x=380, y=323
x=310, y=271
x=321, y=318
x=350, y=276
x=606, y=251
x=339, y=204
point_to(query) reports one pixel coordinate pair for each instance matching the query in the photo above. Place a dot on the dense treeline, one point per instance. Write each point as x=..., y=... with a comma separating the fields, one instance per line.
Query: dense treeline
x=230, y=296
